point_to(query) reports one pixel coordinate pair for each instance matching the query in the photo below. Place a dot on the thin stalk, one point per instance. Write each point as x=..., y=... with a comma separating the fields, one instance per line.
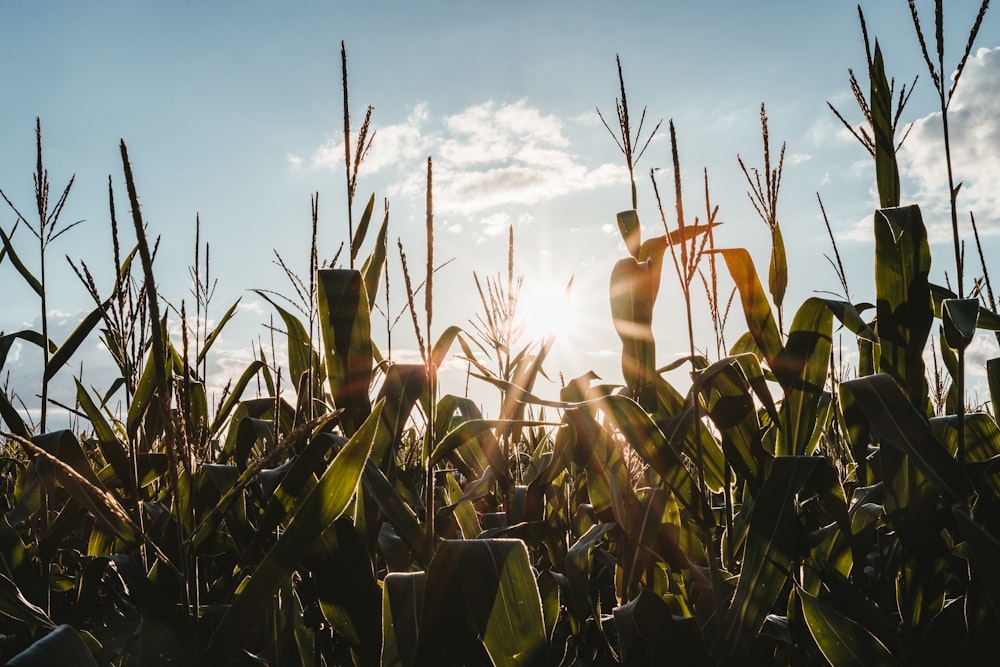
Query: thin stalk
x=944, y=100
x=624, y=138
x=347, y=149
x=431, y=368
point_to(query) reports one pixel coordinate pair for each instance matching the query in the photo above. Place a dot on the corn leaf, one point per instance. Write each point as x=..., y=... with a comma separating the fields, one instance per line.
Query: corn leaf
x=14, y=605
x=771, y=546
x=75, y=339
x=650, y=443
x=777, y=271
x=886, y=169
x=486, y=586
x=217, y=330
x=235, y=394
x=650, y=634
x=628, y=225
x=374, y=265
x=107, y=438
x=984, y=552
x=842, y=641
x=960, y=318
x=361, y=231
x=29, y=278
x=760, y=319
x=10, y=417
x=346, y=328
x=633, y=293
x=302, y=358
x=62, y=646
x=903, y=305
x=879, y=401
x=313, y=516
x=471, y=429
x=802, y=367
x=578, y=567
x=731, y=408
x=402, y=599
x=349, y=596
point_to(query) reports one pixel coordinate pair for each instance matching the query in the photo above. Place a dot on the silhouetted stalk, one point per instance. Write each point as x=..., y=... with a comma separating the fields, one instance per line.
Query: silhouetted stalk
x=764, y=197
x=158, y=343
x=687, y=268
x=45, y=234
x=431, y=367
x=353, y=163
x=624, y=139
x=347, y=148
x=313, y=296
x=944, y=100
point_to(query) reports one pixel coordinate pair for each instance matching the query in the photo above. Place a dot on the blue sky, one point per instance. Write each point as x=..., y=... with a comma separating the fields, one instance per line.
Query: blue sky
x=232, y=111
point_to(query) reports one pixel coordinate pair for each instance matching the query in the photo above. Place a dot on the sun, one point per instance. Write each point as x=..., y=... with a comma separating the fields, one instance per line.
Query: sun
x=546, y=310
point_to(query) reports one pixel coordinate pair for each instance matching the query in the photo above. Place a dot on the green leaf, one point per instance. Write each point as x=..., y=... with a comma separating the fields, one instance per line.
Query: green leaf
x=771, y=547
x=469, y=430
x=402, y=599
x=650, y=443
x=402, y=387
x=903, y=306
x=984, y=550
x=651, y=635
x=886, y=169
x=14, y=605
x=349, y=596
x=143, y=396
x=777, y=273
x=302, y=357
x=960, y=317
x=8, y=340
x=107, y=437
x=850, y=316
x=80, y=333
x=756, y=308
x=19, y=265
x=63, y=646
x=312, y=516
x=730, y=406
x=235, y=394
x=879, y=401
x=633, y=294
x=843, y=642
x=346, y=328
x=214, y=334
x=375, y=263
x=85, y=487
x=488, y=585
x=10, y=417
x=628, y=225
x=361, y=231
x=802, y=367
x=578, y=567
x=397, y=513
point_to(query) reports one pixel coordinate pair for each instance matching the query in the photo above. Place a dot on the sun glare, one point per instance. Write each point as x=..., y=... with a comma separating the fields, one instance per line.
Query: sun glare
x=547, y=310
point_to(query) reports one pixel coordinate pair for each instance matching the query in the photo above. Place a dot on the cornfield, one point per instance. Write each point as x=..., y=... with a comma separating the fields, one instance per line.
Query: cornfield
x=338, y=508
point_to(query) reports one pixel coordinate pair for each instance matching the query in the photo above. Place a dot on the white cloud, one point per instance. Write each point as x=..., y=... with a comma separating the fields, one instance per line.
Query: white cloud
x=974, y=129
x=486, y=157
x=294, y=161
x=391, y=145
x=494, y=224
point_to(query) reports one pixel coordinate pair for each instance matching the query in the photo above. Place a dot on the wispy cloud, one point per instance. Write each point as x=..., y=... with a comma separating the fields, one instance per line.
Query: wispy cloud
x=487, y=158
x=974, y=128
x=404, y=142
